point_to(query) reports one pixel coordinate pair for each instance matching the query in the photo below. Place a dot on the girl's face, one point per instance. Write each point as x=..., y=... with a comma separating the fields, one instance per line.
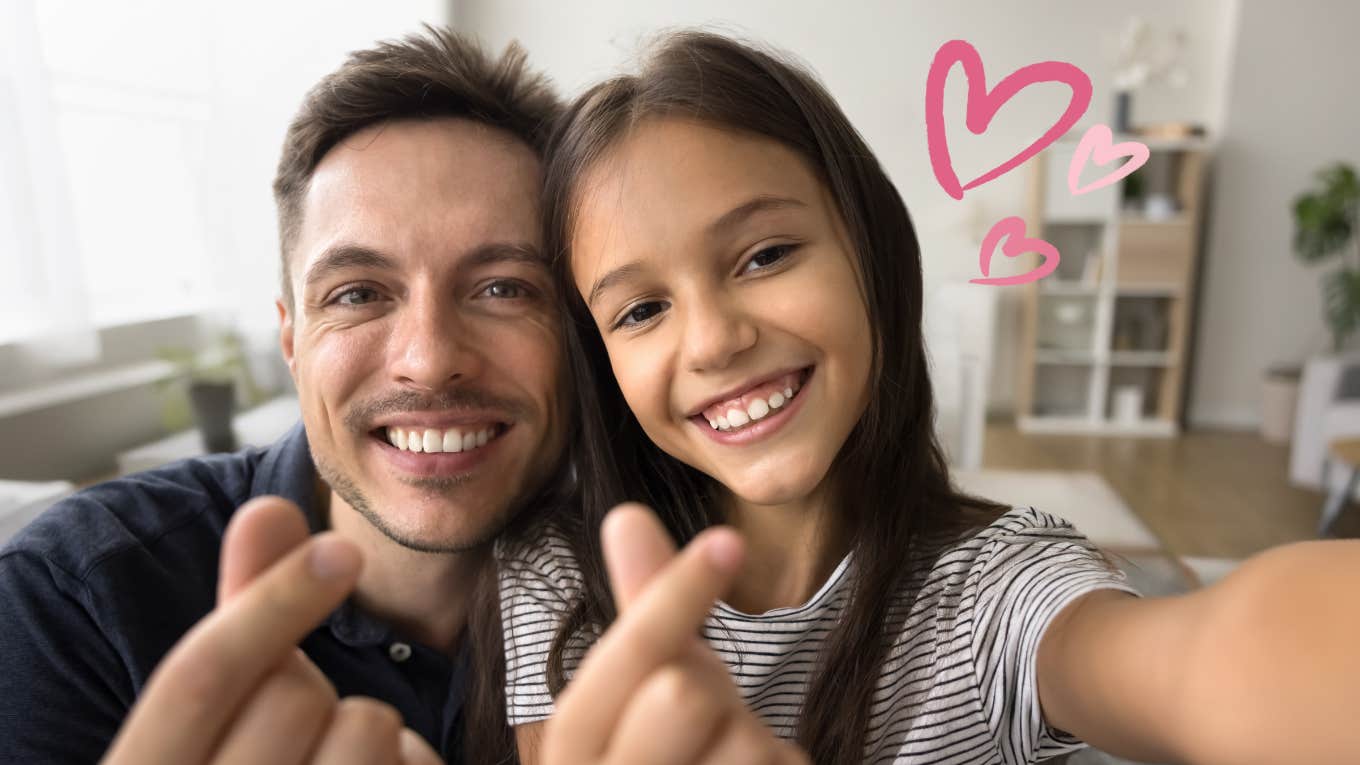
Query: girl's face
x=721, y=278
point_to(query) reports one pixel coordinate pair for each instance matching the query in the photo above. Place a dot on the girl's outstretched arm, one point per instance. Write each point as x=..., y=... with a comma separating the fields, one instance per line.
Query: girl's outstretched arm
x=1263, y=667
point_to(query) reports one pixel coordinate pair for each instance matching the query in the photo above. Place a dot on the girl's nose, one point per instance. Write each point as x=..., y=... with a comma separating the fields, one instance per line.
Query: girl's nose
x=717, y=330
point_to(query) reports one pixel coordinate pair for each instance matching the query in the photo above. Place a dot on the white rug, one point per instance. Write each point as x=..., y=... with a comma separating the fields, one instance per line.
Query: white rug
x=1084, y=499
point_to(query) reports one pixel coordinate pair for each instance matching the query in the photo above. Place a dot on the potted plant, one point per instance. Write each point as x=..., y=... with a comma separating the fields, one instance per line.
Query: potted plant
x=1325, y=221
x=1326, y=217
x=213, y=378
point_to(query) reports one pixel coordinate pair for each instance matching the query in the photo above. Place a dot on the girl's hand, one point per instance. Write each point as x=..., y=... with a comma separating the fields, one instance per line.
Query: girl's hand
x=650, y=690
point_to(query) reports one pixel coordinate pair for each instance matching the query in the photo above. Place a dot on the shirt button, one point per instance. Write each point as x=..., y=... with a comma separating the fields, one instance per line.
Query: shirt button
x=399, y=652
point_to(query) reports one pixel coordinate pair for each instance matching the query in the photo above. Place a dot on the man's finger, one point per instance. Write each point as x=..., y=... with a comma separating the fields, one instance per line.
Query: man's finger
x=204, y=681
x=261, y=532
x=657, y=627
x=636, y=546
x=282, y=720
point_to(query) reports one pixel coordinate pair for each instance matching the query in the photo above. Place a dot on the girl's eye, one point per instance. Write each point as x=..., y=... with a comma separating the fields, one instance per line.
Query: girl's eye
x=505, y=290
x=639, y=314
x=357, y=296
x=767, y=257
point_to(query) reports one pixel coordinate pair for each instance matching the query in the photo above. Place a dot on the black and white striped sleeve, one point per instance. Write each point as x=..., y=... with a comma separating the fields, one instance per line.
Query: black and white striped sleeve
x=1034, y=565
x=538, y=583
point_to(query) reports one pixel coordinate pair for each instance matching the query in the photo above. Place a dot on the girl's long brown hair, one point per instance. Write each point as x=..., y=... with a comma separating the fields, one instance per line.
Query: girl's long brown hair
x=902, y=494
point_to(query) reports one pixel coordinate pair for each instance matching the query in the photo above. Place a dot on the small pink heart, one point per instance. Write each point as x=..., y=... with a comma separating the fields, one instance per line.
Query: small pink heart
x=1099, y=140
x=1013, y=229
x=982, y=107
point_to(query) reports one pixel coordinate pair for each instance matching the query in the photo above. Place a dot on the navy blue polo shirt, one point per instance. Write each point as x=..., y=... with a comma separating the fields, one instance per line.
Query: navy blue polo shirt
x=98, y=588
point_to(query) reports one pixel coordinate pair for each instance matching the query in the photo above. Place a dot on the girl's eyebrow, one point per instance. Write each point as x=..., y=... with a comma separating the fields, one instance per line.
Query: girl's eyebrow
x=620, y=274
x=724, y=224
x=739, y=214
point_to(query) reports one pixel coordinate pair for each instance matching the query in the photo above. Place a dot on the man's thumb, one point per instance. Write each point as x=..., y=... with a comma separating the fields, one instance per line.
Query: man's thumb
x=260, y=533
x=636, y=547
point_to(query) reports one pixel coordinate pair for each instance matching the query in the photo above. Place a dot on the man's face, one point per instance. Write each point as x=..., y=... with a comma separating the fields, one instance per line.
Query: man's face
x=423, y=339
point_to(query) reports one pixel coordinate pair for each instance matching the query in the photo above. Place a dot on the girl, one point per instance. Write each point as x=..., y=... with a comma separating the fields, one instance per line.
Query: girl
x=745, y=301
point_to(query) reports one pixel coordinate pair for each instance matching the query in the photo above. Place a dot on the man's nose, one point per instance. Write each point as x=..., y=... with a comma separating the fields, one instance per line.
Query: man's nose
x=716, y=329
x=434, y=346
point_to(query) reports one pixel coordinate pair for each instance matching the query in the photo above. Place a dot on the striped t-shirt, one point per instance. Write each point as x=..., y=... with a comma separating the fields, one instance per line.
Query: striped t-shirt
x=958, y=686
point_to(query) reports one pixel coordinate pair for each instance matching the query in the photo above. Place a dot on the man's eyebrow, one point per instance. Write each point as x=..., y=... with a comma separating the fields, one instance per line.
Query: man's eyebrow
x=503, y=252
x=342, y=256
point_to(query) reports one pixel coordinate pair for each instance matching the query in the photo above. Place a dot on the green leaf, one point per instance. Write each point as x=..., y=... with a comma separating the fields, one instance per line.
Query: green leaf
x=1341, y=304
x=1324, y=218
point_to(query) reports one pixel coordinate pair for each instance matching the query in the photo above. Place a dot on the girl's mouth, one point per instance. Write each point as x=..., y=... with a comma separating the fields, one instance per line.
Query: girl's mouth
x=755, y=405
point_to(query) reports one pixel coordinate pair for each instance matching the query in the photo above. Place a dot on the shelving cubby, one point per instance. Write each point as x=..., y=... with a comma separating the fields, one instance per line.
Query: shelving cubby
x=1104, y=337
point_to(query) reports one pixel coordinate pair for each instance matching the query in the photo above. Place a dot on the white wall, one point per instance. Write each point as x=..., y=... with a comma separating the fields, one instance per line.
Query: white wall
x=1291, y=109
x=266, y=55
x=874, y=57
x=242, y=68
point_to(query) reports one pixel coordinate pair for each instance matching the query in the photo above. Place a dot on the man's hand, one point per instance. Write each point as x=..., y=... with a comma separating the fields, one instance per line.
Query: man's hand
x=650, y=691
x=237, y=689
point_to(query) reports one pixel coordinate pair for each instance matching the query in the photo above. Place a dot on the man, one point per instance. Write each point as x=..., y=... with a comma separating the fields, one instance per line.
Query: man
x=418, y=324
x=415, y=301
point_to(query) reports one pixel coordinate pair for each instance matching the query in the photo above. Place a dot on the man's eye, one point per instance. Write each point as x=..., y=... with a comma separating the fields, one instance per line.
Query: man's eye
x=506, y=290
x=640, y=313
x=357, y=296
x=767, y=257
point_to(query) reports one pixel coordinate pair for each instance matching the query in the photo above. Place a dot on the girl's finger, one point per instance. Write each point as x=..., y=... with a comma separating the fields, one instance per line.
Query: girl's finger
x=636, y=546
x=656, y=629
x=676, y=715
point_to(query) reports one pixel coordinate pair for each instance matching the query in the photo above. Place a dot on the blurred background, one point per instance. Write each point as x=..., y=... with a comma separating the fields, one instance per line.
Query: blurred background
x=1185, y=387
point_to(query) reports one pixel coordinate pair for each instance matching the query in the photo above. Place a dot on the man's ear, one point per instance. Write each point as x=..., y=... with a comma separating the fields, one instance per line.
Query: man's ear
x=286, y=335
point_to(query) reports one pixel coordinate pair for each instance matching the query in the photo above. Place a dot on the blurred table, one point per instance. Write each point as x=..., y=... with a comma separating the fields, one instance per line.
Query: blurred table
x=260, y=426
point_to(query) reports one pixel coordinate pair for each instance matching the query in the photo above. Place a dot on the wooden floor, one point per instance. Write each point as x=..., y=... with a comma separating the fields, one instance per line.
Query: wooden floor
x=1213, y=494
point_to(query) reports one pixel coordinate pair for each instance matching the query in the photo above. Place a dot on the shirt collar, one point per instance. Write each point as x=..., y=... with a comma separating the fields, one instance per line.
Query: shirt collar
x=287, y=470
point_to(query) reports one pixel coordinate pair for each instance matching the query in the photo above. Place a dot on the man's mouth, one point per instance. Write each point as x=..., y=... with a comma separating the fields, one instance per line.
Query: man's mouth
x=755, y=403
x=441, y=440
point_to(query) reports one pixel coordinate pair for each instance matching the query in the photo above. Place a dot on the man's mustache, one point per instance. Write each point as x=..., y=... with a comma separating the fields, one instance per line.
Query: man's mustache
x=360, y=417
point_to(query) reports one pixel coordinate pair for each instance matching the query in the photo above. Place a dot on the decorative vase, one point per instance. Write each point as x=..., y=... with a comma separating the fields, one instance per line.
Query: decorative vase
x=1123, y=112
x=214, y=404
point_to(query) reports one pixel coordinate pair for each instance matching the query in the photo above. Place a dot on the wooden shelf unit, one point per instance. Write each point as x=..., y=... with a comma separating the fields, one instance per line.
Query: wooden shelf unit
x=1120, y=321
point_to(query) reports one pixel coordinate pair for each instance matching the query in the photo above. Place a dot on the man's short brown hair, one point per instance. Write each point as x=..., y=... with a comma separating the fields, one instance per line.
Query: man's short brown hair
x=430, y=75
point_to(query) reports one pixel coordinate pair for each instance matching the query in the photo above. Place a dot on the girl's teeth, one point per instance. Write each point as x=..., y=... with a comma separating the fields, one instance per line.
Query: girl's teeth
x=433, y=441
x=758, y=409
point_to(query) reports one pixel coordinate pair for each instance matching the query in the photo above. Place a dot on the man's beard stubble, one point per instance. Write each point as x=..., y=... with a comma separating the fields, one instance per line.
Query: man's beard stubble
x=358, y=420
x=350, y=492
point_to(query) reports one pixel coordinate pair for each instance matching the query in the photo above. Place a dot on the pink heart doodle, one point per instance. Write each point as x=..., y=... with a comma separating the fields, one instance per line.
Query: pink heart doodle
x=1100, y=141
x=982, y=107
x=1013, y=228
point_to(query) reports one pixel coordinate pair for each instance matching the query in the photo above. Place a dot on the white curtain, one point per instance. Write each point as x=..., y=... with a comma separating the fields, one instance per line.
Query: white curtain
x=45, y=308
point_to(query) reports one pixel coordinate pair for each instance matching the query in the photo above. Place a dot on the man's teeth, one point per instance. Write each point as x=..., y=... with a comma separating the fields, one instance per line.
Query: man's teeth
x=756, y=410
x=429, y=440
